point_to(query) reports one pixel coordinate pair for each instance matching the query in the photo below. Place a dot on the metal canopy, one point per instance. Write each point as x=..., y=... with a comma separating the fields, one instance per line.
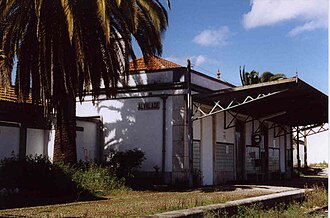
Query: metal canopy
x=290, y=102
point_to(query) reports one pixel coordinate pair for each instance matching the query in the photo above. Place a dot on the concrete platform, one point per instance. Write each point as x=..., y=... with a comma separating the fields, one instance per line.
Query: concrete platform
x=283, y=195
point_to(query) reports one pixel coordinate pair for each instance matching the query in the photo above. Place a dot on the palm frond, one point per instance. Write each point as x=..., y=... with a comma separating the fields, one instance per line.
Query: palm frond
x=265, y=76
x=105, y=21
x=69, y=16
x=277, y=77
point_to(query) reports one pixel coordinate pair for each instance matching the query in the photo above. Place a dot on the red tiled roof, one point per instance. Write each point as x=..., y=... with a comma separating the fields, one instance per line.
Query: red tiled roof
x=154, y=63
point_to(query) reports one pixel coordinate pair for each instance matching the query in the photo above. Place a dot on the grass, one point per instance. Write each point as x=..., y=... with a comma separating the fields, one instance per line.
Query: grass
x=316, y=198
x=128, y=203
x=136, y=203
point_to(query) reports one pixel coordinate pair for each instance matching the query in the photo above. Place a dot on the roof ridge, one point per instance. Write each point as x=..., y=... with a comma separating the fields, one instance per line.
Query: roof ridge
x=153, y=63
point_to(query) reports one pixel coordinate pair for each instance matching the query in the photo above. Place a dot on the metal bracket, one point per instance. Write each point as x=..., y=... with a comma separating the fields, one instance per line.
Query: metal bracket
x=231, y=123
x=261, y=124
x=281, y=132
x=218, y=108
x=234, y=117
x=310, y=130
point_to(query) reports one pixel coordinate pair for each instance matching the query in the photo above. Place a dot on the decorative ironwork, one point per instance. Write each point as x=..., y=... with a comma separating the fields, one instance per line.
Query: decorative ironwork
x=231, y=124
x=218, y=107
x=310, y=130
x=281, y=130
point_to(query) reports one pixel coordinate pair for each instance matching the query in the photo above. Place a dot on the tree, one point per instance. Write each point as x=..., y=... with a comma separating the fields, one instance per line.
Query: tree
x=65, y=48
x=253, y=77
x=268, y=77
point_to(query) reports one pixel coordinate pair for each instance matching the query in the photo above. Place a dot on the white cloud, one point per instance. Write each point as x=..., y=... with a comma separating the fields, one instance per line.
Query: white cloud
x=212, y=37
x=196, y=60
x=199, y=60
x=312, y=14
x=177, y=60
x=306, y=27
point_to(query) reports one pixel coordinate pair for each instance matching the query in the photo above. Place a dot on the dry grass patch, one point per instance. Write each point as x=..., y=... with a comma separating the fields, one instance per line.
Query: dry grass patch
x=137, y=203
x=315, y=199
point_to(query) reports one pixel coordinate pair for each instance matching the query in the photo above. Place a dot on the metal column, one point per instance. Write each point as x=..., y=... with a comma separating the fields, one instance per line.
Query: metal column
x=298, y=158
x=190, y=123
x=305, y=149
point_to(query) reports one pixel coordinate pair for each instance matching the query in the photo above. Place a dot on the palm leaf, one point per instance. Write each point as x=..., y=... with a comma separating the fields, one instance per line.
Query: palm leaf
x=68, y=16
x=105, y=22
x=277, y=77
x=265, y=76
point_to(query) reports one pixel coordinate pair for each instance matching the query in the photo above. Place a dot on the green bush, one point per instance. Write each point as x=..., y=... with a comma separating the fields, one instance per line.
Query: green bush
x=124, y=163
x=39, y=177
x=96, y=179
x=36, y=175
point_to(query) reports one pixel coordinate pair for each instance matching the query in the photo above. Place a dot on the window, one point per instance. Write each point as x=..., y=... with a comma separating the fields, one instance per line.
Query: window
x=252, y=159
x=197, y=154
x=224, y=156
x=274, y=159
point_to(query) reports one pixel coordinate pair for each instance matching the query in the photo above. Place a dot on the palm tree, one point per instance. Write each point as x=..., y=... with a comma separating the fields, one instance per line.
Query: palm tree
x=268, y=77
x=248, y=78
x=253, y=77
x=65, y=48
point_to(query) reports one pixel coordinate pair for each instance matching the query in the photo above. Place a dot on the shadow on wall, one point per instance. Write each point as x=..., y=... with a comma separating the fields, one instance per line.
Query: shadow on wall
x=119, y=118
x=127, y=127
x=120, y=123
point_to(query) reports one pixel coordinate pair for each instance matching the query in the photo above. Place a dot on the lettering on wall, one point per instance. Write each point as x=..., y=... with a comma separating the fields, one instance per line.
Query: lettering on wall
x=152, y=105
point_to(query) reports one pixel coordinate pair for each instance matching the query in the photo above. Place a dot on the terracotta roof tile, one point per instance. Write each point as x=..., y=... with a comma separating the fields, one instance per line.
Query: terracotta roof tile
x=154, y=63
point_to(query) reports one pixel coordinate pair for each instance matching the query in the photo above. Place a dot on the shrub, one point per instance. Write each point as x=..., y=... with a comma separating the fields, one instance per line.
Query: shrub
x=36, y=175
x=123, y=163
x=96, y=179
x=317, y=197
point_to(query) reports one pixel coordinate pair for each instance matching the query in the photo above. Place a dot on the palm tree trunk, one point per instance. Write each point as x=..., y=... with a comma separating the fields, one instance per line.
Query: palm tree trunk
x=65, y=131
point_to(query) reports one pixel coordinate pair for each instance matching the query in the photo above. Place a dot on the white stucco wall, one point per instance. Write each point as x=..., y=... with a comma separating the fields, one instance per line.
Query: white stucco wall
x=207, y=151
x=197, y=127
x=207, y=82
x=9, y=141
x=35, y=142
x=274, y=142
x=222, y=134
x=50, y=143
x=143, y=78
x=37, y=138
x=248, y=133
x=301, y=155
x=126, y=127
x=282, y=153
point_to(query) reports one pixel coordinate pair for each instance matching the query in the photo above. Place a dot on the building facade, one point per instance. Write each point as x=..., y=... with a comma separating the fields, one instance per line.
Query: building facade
x=150, y=114
x=238, y=133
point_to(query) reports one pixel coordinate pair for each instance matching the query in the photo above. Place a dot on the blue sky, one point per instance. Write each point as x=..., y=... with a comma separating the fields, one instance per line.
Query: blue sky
x=280, y=36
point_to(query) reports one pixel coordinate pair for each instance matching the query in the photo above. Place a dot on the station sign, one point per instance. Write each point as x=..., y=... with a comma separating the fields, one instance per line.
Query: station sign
x=152, y=105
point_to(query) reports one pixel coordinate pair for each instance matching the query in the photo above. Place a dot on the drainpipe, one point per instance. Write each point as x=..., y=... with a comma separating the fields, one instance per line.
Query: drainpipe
x=164, y=98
